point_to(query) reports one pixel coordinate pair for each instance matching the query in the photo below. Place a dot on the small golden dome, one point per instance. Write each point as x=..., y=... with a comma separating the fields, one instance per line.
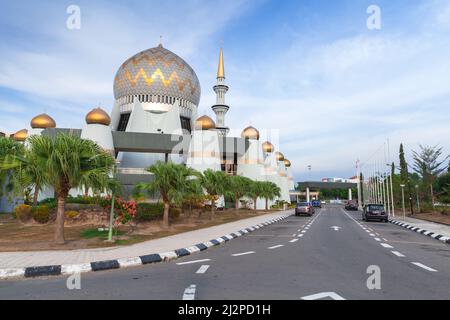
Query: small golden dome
x=267, y=147
x=204, y=123
x=250, y=133
x=280, y=156
x=21, y=135
x=287, y=163
x=43, y=121
x=98, y=116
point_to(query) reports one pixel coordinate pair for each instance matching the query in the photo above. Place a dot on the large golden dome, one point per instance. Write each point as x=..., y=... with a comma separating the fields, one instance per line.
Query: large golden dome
x=98, y=116
x=158, y=72
x=204, y=123
x=280, y=156
x=287, y=163
x=43, y=121
x=21, y=135
x=267, y=147
x=250, y=133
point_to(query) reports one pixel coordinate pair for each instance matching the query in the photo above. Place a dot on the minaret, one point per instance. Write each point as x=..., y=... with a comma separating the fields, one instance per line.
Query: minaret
x=220, y=108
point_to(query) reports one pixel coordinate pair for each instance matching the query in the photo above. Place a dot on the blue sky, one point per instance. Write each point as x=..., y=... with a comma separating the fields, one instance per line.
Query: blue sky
x=311, y=69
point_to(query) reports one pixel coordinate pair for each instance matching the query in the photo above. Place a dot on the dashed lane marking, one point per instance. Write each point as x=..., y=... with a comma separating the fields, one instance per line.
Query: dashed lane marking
x=189, y=292
x=293, y=240
x=276, y=247
x=191, y=262
x=377, y=239
x=398, y=254
x=424, y=266
x=242, y=253
x=202, y=269
x=385, y=245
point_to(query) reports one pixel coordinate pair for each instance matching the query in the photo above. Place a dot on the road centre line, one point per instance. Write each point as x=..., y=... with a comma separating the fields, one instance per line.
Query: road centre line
x=189, y=292
x=385, y=245
x=242, y=253
x=191, y=262
x=398, y=254
x=424, y=266
x=276, y=247
x=203, y=269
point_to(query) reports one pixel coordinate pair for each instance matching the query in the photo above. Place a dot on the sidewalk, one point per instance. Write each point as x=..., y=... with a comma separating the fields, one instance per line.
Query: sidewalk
x=432, y=229
x=45, y=258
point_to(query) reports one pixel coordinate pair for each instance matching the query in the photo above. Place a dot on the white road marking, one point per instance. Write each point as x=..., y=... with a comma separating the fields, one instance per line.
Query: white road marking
x=387, y=245
x=293, y=240
x=385, y=239
x=424, y=266
x=294, y=235
x=243, y=253
x=276, y=247
x=303, y=231
x=372, y=235
x=377, y=239
x=193, y=261
x=398, y=254
x=300, y=235
x=335, y=228
x=189, y=292
x=203, y=269
x=317, y=296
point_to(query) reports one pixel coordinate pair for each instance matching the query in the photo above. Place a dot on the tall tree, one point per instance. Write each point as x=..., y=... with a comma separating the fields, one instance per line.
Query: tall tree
x=214, y=182
x=9, y=150
x=65, y=162
x=238, y=187
x=428, y=165
x=404, y=177
x=170, y=181
x=255, y=191
x=270, y=191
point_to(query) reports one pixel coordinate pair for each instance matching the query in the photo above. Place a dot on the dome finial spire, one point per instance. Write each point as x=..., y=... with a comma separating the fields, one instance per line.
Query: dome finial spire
x=160, y=40
x=221, y=69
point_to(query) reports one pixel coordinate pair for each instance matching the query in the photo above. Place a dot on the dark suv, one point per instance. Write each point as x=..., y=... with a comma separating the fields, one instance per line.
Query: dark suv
x=375, y=212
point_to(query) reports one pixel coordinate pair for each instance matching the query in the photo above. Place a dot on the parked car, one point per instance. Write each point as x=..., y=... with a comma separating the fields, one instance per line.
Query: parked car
x=375, y=212
x=316, y=204
x=351, y=205
x=304, y=208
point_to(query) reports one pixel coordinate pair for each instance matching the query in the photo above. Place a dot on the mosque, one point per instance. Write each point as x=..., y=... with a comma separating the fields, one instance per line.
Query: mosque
x=155, y=117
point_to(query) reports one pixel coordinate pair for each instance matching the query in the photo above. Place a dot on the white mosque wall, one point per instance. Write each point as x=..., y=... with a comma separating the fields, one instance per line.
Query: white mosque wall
x=204, y=151
x=100, y=134
x=271, y=171
x=151, y=122
x=251, y=165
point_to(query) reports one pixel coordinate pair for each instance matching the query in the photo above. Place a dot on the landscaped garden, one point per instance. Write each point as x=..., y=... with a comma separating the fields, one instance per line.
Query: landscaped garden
x=178, y=198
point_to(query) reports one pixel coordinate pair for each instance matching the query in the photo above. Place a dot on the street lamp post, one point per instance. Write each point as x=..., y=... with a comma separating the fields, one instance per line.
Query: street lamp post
x=113, y=200
x=403, y=200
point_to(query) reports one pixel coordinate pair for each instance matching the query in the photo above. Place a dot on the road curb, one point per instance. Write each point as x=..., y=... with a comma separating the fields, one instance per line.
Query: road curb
x=57, y=270
x=430, y=234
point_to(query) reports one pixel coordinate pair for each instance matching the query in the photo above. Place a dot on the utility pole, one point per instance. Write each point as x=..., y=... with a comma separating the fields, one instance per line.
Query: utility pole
x=392, y=177
x=358, y=179
x=403, y=200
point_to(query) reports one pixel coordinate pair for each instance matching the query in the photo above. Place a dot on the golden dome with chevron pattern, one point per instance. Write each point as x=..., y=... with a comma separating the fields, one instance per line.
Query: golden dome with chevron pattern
x=157, y=72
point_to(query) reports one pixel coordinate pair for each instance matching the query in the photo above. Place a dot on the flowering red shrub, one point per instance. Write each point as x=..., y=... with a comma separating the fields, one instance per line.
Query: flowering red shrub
x=125, y=211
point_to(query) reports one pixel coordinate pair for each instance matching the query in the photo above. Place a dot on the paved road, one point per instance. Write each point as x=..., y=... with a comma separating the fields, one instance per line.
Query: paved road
x=294, y=259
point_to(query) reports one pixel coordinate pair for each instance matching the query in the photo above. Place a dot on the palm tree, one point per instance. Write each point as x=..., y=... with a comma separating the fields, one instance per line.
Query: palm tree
x=63, y=163
x=270, y=191
x=171, y=181
x=255, y=191
x=9, y=150
x=237, y=187
x=214, y=182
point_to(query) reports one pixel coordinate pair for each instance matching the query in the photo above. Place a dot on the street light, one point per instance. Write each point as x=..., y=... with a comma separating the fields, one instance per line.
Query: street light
x=113, y=200
x=418, y=200
x=403, y=200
